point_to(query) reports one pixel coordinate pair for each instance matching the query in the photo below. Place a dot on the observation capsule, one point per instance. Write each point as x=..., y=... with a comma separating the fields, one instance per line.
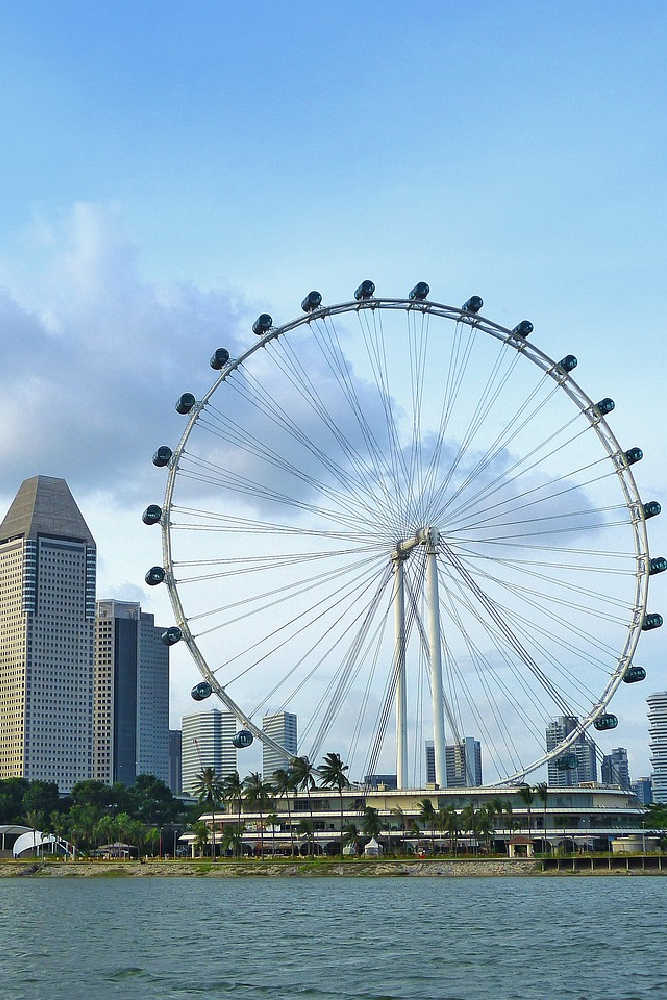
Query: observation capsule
x=633, y=455
x=154, y=576
x=171, y=636
x=262, y=324
x=419, y=292
x=312, y=301
x=565, y=763
x=568, y=363
x=242, y=739
x=651, y=509
x=605, y=406
x=185, y=403
x=202, y=691
x=219, y=359
x=651, y=621
x=473, y=304
x=152, y=514
x=634, y=674
x=162, y=456
x=657, y=565
x=606, y=721
x=523, y=328
x=366, y=290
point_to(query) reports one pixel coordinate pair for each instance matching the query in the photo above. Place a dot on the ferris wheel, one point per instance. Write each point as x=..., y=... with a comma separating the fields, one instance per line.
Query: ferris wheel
x=393, y=510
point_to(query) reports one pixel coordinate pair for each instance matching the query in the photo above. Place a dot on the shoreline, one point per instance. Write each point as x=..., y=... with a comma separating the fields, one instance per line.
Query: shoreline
x=356, y=868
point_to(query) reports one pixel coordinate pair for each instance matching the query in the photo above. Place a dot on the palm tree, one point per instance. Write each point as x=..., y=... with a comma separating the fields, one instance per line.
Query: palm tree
x=333, y=775
x=307, y=830
x=350, y=834
x=232, y=787
x=527, y=797
x=371, y=822
x=304, y=773
x=427, y=817
x=485, y=825
x=258, y=795
x=453, y=829
x=402, y=819
x=209, y=789
x=272, y=821
x=201, y=836
x=509, y=821
x=469, y=820
x=542, y=792
x=442, y=819
x=283, y=783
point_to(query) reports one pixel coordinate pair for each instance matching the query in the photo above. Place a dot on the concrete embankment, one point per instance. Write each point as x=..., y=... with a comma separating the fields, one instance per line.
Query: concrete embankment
x=460, y=867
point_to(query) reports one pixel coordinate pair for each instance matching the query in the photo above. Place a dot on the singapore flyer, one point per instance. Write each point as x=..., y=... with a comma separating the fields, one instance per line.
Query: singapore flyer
x=402, y=521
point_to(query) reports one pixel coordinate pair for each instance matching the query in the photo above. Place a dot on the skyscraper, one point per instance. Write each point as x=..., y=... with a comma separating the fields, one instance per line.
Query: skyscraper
x=282, y=728
x=429, y=754
x=131, y=695
x=580, y=757
x=657, y=737
x=208, y=742
x=464, y=763
x=47, y=614
x=176, y=761
x=643, y=789
x=615, y=768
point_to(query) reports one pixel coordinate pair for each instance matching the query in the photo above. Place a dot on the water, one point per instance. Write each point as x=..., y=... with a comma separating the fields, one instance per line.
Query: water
x=587, y=938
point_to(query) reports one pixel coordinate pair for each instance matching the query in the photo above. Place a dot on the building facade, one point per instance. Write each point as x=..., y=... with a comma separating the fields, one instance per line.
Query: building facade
x=131, y=695
x=176, y=761
x=463, y=763
x=207, y=742
x=282, y=728
x=47, y=615
x=643, y=789
x=576, y=764
x=614, y=768
x=657, y=739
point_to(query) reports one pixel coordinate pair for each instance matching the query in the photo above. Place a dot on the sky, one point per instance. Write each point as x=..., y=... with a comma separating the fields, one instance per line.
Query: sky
x=169, y=172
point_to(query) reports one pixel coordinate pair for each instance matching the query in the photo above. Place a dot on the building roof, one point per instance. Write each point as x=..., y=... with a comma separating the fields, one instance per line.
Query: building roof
x=44, y=505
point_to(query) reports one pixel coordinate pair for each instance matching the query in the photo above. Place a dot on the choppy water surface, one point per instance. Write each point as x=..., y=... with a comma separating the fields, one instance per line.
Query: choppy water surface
x=593, y=938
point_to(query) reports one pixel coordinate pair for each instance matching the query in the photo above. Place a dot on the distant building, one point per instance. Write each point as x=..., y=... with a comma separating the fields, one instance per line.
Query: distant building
x=176, y=761
x=375, y=780
x=614, y=768
x=47, y=615
x=208, y=741
x=657, y=736
x=131, y=695
x=643, y=789
x=429, y=752
x=282, y=728
x=581, y=756
x=463, y=763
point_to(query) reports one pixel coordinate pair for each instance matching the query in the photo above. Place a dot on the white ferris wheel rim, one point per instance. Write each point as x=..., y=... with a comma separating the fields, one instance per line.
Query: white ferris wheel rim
x=566, y=383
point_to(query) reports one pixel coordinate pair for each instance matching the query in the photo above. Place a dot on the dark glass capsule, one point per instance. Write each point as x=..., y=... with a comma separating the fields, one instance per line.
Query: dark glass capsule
x=154, y=576
x=657, y=565
x=366, y=290
x=312, y=301
x=633, y=455
x=523, y=328
x=242, y=739
x=162, y=456
x=606, y=721
x=419, y=292
x=634, y=674
x=473, y=304
x=185, y=403
x=152, y=514
x=568, y=363
x=605, y=406
x=262, y=324
x=652, y=509
x=202, y=691
x=219, y=359
x=651, y=621
x=171, y=636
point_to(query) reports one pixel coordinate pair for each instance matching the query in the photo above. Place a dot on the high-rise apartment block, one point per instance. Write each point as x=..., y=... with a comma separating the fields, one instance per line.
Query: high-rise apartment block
x=47, y=615
x=657, y=739
x=208, y=741
x=643, y=789
x=576, y=764
x=282, y=728
x=614, y=768
x=176, y=761
x=463, y=763
x=131, y=695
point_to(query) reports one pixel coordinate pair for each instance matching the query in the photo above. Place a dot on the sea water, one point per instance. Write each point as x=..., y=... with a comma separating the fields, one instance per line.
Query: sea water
x=585, y=938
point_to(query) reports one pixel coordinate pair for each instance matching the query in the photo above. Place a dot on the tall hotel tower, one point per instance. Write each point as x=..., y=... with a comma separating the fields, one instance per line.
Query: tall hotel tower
x=657, y=737
x=47, y=618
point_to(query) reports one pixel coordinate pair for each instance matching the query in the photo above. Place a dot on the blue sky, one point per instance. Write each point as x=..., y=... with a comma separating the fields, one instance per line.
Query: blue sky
x=169, y=170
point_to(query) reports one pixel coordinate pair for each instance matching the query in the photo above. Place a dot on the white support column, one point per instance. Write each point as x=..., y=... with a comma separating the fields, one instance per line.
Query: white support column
x=435, y=650
x=401, y=695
